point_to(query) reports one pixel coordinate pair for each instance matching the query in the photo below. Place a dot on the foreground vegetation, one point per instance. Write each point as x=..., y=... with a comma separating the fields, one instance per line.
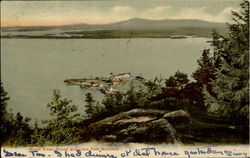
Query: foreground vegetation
x=217, y=99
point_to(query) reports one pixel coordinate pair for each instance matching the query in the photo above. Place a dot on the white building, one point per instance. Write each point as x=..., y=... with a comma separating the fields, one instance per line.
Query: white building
x=121, y=76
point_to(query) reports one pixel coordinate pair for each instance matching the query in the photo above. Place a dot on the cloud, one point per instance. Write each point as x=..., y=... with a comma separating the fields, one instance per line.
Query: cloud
x=121, y=9
x=160, y=9
x=119, y=13
x=191, y=13
x=227, y=13
x=202, y=14
x=159, y=12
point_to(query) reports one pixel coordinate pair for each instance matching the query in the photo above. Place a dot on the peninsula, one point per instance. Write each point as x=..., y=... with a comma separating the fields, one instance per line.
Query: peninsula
x=107, y=85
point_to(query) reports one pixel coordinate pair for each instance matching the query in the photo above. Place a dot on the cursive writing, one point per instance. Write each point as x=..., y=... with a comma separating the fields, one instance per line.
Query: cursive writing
x=91, y=154
x=13, y=154
x=139, y=152
x=212, y=151
x=37, y=154
x=78, y=153
x=148, y=152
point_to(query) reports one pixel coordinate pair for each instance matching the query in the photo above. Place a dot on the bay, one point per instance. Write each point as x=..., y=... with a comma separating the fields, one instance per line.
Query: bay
x=32, y=68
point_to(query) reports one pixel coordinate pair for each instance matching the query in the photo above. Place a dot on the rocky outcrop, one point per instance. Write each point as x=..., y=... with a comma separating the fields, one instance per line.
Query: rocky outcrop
x=137, y=125
x=180, y=119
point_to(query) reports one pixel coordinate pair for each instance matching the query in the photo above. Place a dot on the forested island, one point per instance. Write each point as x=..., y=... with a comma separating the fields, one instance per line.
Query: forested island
x=212, y=108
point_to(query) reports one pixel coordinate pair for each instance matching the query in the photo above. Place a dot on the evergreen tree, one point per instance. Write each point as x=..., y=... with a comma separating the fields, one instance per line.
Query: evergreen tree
x=179, y=80
x=14, y=128
x=3, y=113
x=205, y=72
x=4, y=100
x=21, y=131
x=113, y=102
x=130, y=99
x=61, y=128
x=171, y=82
x=173, y=94
x=90, y=105
x=124, y=101
x=203, y=77
x=216, y=37
x=153, y=87
x=231, y=85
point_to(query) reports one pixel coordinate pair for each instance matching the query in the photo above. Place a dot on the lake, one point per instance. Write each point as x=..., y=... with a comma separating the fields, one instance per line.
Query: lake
x=32, y=68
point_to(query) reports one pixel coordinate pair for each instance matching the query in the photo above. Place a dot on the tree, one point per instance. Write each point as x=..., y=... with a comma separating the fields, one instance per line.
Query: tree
x=124, y=101
x=130, y=98
x=21, y=131
x=14, y=129
x=173, y=94
x=231, y=84
x=61, y=108
x=93, y=109
x=3, y=113
x=179, y=80
x=170, y=82
x=205, y=72
x=4, y=100
x=90, y=105
x=61, y=128
x=203, y=77
x=216, y=37
x=153, y=87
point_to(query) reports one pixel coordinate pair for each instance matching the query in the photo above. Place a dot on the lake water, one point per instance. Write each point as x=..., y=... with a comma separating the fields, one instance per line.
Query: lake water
x=32, y=68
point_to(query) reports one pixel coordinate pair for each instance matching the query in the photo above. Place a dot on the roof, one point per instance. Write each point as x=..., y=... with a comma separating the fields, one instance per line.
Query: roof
x=122, y=74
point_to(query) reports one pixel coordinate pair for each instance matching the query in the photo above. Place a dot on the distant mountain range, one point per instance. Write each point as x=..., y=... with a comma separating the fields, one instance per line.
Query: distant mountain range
x=135, y=27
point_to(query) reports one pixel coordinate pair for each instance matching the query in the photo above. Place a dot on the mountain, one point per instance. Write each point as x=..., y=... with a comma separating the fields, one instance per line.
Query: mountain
x=144, y=24
x=131, y=24
x=137, y=26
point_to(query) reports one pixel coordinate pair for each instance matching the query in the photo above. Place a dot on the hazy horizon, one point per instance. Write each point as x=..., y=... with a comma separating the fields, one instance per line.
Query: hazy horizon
x=107, y=23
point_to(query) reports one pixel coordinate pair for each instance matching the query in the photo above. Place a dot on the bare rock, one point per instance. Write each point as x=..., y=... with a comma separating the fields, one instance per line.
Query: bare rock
x=137, y=125
x=180, y=119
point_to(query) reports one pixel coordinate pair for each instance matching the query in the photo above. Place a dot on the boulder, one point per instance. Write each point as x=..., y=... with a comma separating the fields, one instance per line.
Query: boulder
x=157, y=131
x=180, y=119
x=137, y=125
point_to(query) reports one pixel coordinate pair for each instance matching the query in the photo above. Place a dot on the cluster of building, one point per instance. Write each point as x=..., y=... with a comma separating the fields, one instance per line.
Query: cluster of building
x=103, y=84
x=120, y=76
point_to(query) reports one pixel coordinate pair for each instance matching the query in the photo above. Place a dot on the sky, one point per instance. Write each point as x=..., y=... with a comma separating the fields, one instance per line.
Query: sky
x=46, y=13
